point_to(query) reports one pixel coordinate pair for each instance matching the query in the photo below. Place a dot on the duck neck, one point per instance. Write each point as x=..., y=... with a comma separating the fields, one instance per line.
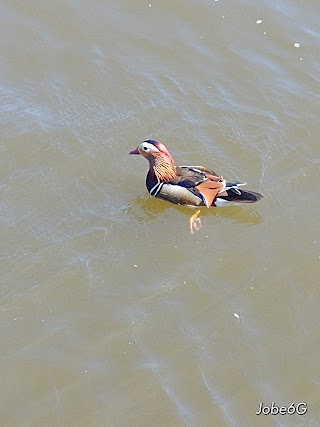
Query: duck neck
x=163, y=168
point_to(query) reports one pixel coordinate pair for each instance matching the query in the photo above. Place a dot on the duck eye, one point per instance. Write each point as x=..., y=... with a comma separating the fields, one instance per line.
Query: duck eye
x=145, y=148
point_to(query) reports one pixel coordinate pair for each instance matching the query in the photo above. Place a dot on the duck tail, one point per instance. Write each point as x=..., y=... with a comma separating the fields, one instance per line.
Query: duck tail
x=235, y=195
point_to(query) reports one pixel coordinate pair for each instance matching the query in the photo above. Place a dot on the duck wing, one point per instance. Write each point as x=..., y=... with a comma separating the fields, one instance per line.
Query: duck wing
x=202, y=169
x=188, y=176
x=201, y=182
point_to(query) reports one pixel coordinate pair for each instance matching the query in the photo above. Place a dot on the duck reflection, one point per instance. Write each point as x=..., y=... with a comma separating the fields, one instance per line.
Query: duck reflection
x=144, y=209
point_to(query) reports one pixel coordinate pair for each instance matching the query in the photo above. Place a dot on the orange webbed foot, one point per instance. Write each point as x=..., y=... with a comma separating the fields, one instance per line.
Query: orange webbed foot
x=195, y=222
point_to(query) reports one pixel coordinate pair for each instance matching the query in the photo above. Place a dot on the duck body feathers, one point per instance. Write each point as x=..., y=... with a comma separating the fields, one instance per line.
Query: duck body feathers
x=183, y=189
x=189, y=185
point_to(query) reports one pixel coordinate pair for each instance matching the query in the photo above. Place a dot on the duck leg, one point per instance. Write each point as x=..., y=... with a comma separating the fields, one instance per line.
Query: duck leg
x=195, y=222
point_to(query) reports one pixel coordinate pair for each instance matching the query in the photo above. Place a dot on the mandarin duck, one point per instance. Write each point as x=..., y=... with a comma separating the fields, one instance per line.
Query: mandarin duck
x=189, y=185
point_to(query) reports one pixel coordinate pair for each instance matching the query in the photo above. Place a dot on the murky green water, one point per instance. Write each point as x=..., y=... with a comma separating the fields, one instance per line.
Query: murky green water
x=112, y=313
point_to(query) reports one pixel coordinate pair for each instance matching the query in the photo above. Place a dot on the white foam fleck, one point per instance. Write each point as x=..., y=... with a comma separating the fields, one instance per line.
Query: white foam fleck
x=259, y=21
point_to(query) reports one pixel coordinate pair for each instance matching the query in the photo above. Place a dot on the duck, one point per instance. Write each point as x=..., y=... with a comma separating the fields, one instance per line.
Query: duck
x=193, y=186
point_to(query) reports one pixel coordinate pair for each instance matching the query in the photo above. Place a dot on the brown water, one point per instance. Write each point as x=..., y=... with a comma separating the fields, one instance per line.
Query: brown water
x=112, y=313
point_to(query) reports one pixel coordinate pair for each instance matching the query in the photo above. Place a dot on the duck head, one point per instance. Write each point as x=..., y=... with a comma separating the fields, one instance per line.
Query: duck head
x=150, y=147
x=159, y=158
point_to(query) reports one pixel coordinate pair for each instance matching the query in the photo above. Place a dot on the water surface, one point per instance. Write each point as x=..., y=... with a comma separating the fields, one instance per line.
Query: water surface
x=111, y=312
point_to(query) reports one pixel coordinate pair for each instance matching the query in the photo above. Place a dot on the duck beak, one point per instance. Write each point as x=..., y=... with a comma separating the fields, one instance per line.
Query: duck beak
x=136, y=151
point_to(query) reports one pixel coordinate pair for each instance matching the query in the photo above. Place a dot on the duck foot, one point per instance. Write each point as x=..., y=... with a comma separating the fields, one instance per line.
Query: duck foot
x=195, y=222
